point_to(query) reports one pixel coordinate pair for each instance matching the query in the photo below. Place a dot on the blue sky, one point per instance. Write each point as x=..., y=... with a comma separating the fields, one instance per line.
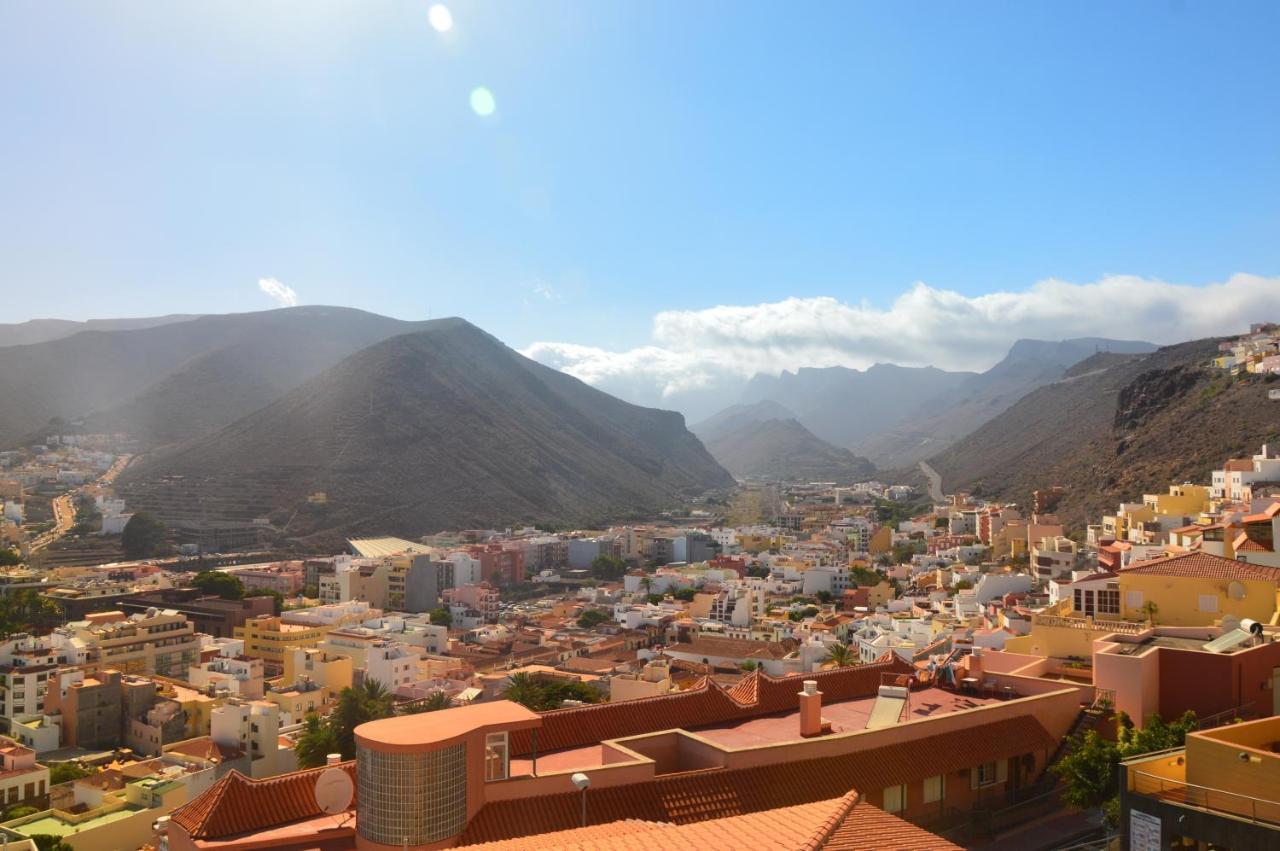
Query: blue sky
x=643, y=157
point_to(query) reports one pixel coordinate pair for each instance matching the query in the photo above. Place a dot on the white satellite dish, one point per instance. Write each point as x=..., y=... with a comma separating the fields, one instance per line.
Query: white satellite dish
x=1236, y=590
x=334, y=791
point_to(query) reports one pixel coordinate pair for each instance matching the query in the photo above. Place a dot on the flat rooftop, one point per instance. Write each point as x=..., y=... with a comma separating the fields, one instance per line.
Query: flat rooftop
x=848, y=716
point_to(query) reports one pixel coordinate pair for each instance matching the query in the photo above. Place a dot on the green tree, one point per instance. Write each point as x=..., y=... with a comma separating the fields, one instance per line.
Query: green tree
x=824, y=597
x=64, y=772
x=685, y=595
x=592, y=618
x=1089, y=772
x=49, y=842
x=543, y=693
x=10, y=558
x=19, y=811
x=655, y=599
x=841, y=655
x=747, y=666
x=433, y=702
x=142, y=535
x=1090, y=768
x=278, y=605
x=1150, y=610
x=28, y=611
x=441, y=617
x=316, y=742
x=608, y=568
x=219, y=583
x=356, y=706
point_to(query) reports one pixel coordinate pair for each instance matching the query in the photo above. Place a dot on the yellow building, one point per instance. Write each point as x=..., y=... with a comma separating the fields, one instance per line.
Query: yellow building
x=1223, y=785
x=269, y=639
x=881, y=541
x=331, y=671
x=1188, y=589
x=1198, y=589
x=1181, y=501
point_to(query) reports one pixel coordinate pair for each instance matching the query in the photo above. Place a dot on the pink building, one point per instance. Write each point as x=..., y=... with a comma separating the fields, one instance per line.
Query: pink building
x=285, y=577
x=484, y=598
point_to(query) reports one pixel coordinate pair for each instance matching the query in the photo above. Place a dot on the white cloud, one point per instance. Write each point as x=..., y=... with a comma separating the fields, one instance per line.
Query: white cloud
x=283, y=295
x=923, y=327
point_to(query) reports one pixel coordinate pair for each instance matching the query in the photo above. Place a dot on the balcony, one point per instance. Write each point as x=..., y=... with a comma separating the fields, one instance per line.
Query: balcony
x=1175, y=791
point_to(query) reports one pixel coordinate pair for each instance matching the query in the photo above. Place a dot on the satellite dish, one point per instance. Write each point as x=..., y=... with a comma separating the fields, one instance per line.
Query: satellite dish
x=334, y=791
x=1236, y=590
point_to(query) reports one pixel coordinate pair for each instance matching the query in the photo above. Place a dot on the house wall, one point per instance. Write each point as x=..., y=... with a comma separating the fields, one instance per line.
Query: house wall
x=1178, y=599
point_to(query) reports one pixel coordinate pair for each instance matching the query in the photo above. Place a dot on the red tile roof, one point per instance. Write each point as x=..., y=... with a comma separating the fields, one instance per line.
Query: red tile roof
x=237, y=804
x=839, y=823
x=702, y=705
x=1201, y=565
x=686, y=797
x=1245, y=544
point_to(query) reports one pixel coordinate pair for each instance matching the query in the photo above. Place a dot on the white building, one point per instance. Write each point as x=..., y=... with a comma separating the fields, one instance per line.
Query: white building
x=392, y=664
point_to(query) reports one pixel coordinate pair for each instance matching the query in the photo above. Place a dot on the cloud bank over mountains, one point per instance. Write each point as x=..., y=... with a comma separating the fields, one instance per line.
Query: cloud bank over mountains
x=697, y=350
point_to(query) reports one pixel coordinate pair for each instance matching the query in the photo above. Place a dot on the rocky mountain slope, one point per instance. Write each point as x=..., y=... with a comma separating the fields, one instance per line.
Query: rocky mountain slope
x=847, y=406
x=442, y=428
x=784, y=450
x=177, y=380
x=1116, y=429
x=932, y=426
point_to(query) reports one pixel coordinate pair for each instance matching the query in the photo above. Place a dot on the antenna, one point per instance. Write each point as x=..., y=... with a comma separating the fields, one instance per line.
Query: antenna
x=334, y=790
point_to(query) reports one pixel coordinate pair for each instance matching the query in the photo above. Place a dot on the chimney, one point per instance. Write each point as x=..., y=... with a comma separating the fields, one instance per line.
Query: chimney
x=810, y=710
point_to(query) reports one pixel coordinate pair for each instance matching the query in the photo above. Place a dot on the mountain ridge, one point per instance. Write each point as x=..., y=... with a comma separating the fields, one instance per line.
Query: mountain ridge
x=460, y=431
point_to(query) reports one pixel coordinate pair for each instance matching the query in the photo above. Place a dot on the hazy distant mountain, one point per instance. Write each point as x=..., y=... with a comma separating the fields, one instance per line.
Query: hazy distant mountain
x=178, y=380
x=43, y=330
x=930, y=427
x=1115, y=429
x=736, y=416
x=784, y=450
x=845, y=406
x=442, y=428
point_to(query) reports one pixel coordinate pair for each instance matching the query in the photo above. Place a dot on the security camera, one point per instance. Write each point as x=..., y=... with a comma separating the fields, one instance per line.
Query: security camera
x=580, y=781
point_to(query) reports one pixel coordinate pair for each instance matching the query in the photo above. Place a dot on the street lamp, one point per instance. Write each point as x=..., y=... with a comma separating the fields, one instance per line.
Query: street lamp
x=582, y=783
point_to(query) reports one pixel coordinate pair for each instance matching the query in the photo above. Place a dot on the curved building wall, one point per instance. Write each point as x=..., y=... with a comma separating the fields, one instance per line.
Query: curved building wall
x=411, y=798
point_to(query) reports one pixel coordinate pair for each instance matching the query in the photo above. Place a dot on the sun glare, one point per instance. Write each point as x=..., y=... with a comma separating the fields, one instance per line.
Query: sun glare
x=440, y=17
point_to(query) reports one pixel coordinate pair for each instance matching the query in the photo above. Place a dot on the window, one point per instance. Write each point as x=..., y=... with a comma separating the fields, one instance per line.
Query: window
x=1208, y=602
x=986, y=773
x=1109, y=601
x=1133, y=599
x=895, y=799
x=495, y=756
x=935, y=789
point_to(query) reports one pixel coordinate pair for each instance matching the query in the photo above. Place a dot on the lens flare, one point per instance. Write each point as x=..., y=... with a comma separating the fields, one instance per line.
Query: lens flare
x=482, y=102
x=440, y=17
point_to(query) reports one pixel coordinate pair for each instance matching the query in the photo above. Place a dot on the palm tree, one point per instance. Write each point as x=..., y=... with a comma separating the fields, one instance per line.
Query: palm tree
x=316, y=742
x=840, y=656
x=523, y=689
x=1150, y=609
x=379, y=701
x=433, y=702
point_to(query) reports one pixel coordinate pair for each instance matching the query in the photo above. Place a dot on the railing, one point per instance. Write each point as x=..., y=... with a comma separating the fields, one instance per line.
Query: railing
x=1226, y=716
x=1125, y=627
x=1255, y=810
x=1104, y=697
